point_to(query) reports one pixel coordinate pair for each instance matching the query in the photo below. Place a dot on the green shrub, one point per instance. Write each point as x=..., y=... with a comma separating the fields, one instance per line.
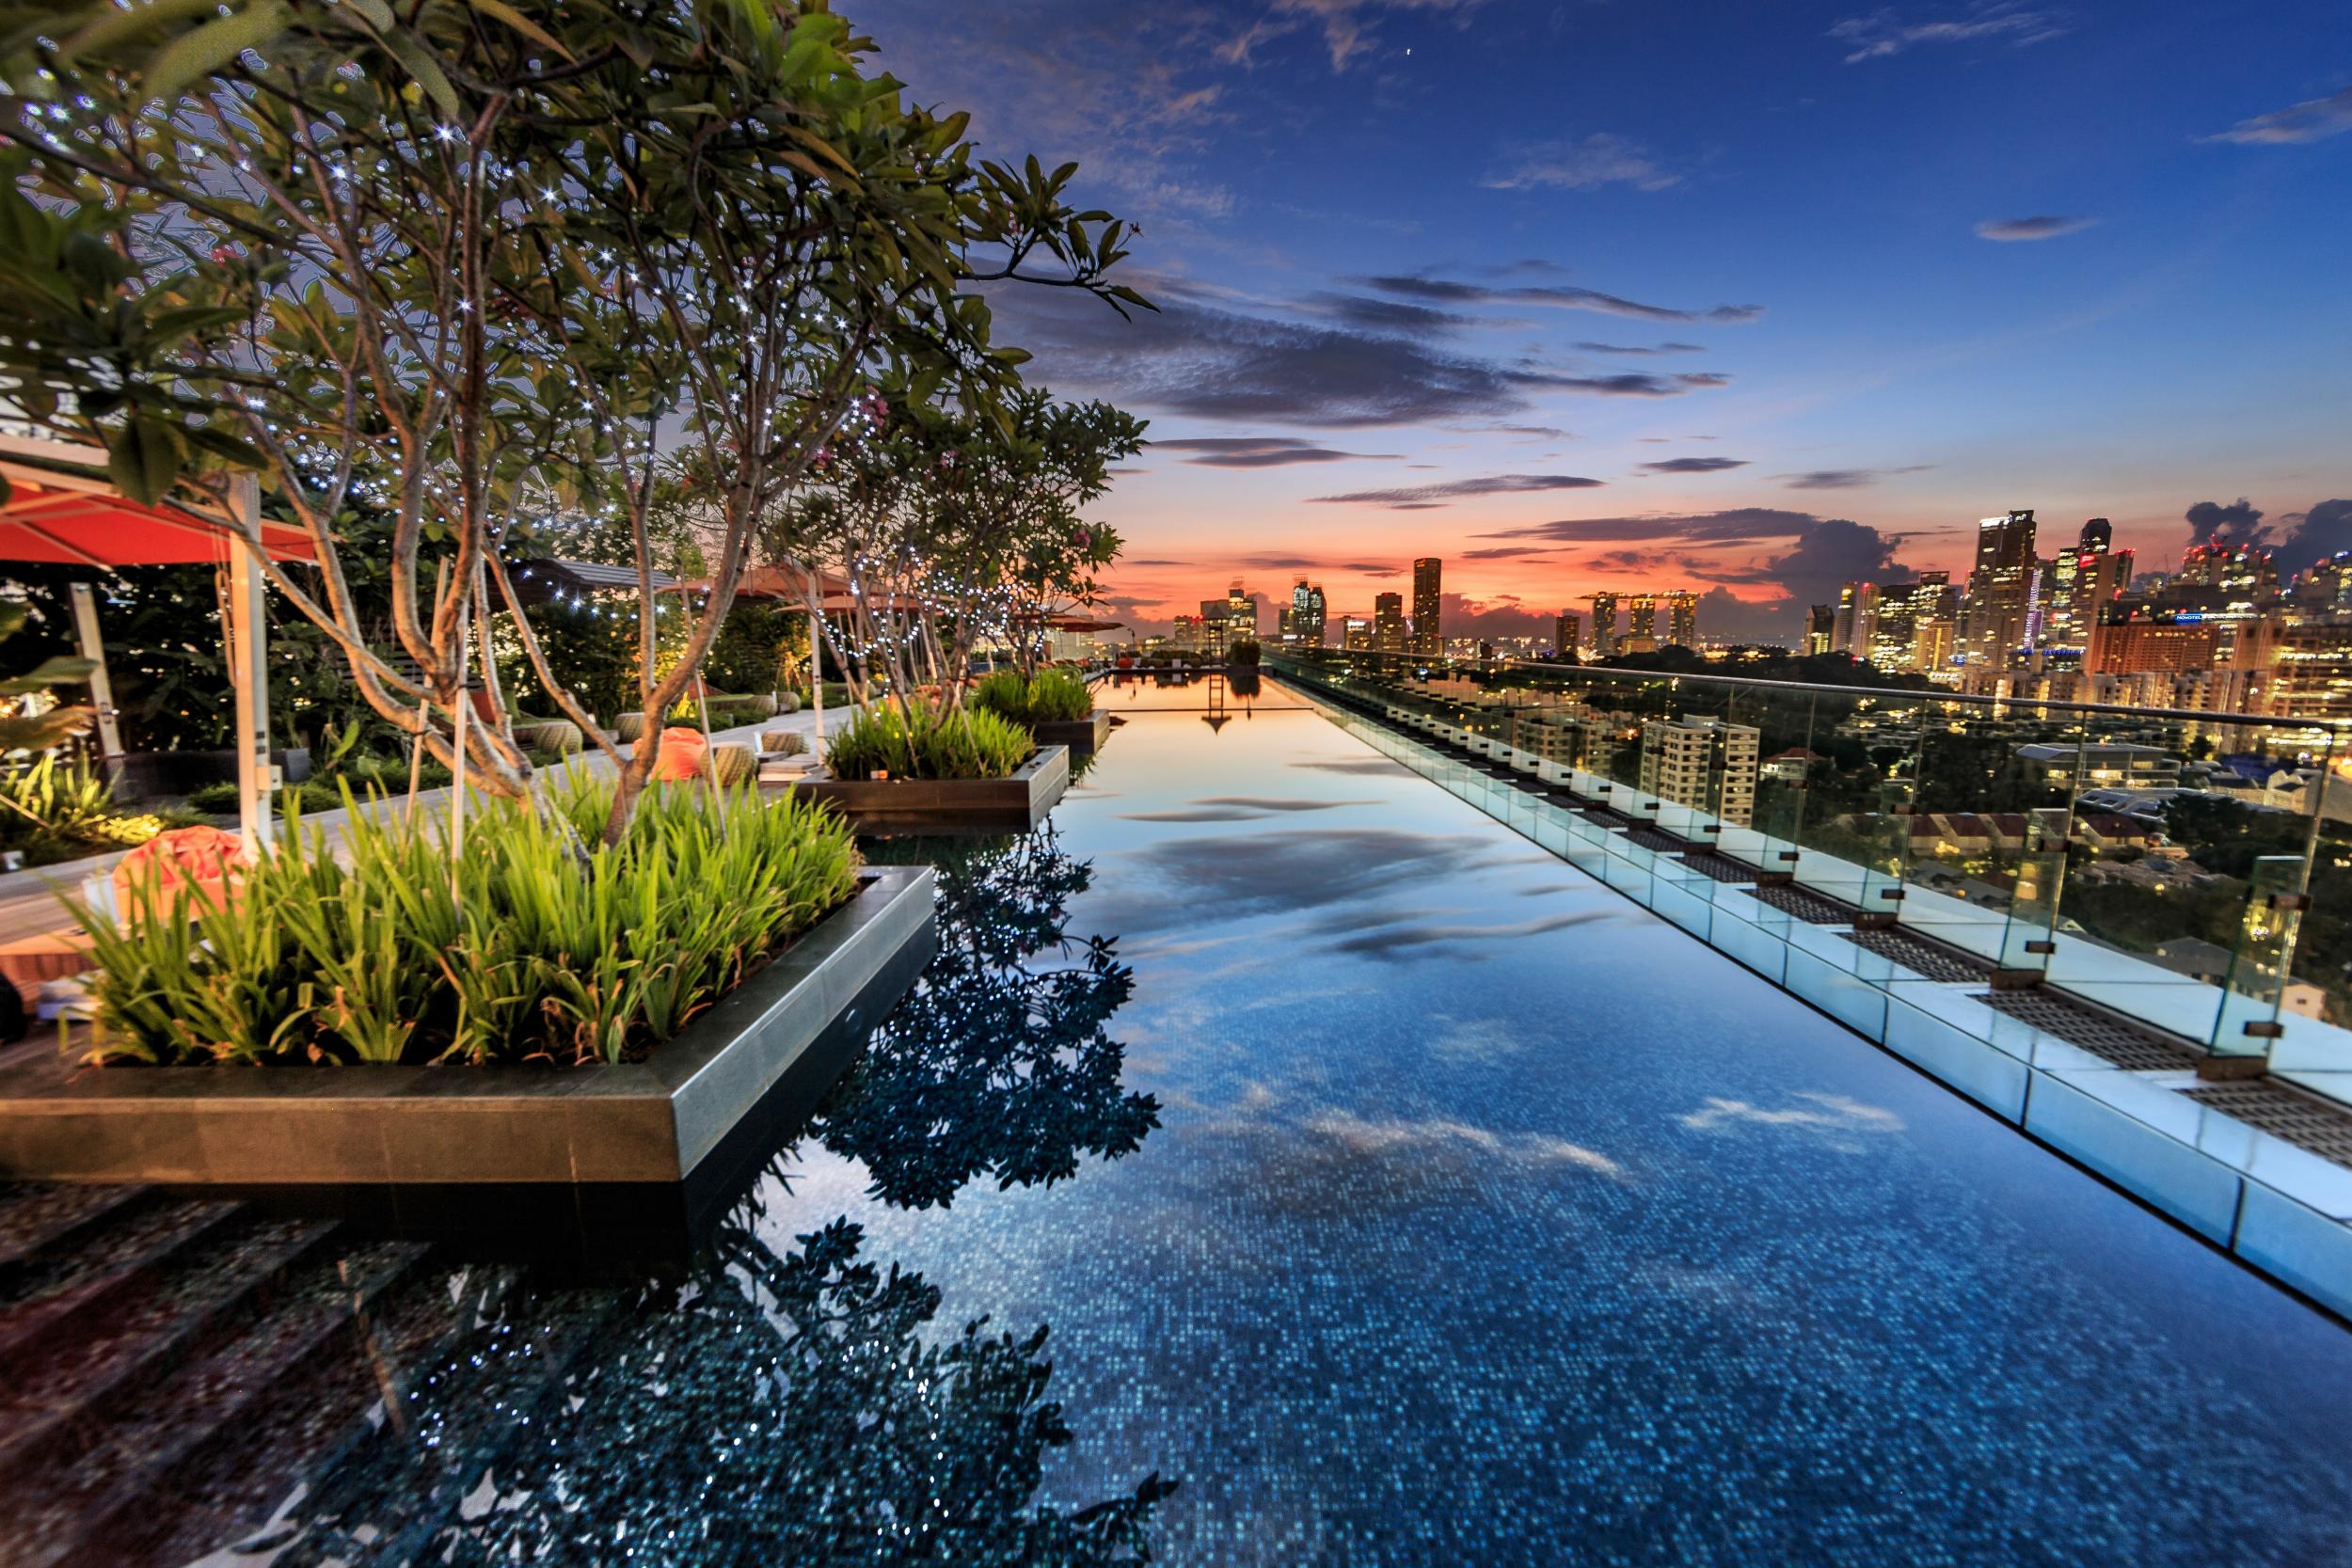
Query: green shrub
x=220, y=800
x=551, y=949
x=1049, y=697
x=924, y=741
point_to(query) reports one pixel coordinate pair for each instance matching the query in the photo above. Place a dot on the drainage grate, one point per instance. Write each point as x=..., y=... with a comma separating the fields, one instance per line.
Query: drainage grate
x=1812, y=907
x=2283, y=1113
x=2132, y=1046
x=1656, y=838
x=1919, y=955
x=1721, y=867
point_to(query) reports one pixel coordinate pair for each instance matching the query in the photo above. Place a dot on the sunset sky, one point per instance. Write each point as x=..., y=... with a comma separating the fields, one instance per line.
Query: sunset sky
x=1747, y=298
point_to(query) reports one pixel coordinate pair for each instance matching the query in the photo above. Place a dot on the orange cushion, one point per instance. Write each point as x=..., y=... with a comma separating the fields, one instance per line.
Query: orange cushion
x=681, y=755
x=206, y=860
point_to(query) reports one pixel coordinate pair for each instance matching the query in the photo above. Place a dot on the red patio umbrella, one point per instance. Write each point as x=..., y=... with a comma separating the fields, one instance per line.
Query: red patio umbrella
x=61, y=508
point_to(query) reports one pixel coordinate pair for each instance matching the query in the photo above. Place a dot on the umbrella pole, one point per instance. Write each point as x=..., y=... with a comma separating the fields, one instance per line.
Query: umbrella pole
x=248, y=668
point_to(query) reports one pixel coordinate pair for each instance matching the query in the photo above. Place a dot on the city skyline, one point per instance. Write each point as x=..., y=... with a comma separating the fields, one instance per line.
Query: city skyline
x=1774, y=300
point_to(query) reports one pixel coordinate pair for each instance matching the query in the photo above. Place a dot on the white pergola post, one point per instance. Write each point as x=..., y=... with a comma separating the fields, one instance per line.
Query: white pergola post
x=248, y=671
x=101, y=692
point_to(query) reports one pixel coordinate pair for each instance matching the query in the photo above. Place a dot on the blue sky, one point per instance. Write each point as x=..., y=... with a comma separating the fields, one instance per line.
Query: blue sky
x=1742, y=297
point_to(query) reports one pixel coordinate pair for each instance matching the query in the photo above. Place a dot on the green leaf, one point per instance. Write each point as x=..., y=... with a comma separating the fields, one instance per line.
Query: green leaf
x=420, y=64
x=205, y=50
x=143, y=457
x=115, y=26
x=522, y=24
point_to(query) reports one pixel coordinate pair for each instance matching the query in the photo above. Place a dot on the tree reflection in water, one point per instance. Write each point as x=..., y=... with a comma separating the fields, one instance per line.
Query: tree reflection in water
x=994, y=1064
x=776, y=1408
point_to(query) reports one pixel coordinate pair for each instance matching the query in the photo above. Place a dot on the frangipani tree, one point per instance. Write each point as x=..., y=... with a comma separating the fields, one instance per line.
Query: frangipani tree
x=485, y=266
x=949, y=526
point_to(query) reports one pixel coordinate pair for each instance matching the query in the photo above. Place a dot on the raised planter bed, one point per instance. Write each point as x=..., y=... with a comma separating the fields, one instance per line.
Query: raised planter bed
x=1084, y=736
x=1016, y=803
x=417, y=1146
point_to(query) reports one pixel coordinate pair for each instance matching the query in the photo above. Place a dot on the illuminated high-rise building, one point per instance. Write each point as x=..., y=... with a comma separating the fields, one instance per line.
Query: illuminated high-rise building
x=1241, y=613
x=1303, y=618
x=1641, y=619
x=1604, y=625
x=1682, y=618
x=1856, y=619
x=1998, y=618
x=1820, y=628
x=1355, y=633
x=1565, y=630
x=1388, y=623
x=1428, y=630
x=2098, y=534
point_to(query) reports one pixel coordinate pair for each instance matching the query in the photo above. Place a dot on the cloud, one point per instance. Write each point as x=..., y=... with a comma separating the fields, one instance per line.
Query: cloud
x=1263, y=451
x=2042, y=228
x=1557, y=296
x=1126, y=93
x=1695, y=465
x=2238, y=523
x=1126, y=562
x=1884, y=33
x=1372, y=568
x=1600, y=159
x=1834, y=1117
x=1636, y=348
x=1506, y=552
x=1834, y=551
x=1436, y=940
x=1441, y=1138
x=2313, y=119
x=1201, y=359
x=1422, y=496
x=1345, y=26
x=1499, y=617
x=2326, y=530
x=1388, y=315
x=1845, y=479
x=1821, y=554
x=1739, y=525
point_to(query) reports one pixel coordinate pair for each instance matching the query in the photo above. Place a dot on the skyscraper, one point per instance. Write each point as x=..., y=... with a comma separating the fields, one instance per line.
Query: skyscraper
x=1820, y=628
x=1428, y=633
x=1388, y=623
x=1998, y=617
x=1857, y=617
x=2098, y=534
x=1241, y=613
x=1682, y=618
x=1641, y=618
x=1303, y=618
x=1604, y=626
x=1564, y=629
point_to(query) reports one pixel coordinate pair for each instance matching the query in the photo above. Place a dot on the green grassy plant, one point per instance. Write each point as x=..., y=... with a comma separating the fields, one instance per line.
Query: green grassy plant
x=51, y=813
x=927, y=741
x=552, y=949
x=1051, y=696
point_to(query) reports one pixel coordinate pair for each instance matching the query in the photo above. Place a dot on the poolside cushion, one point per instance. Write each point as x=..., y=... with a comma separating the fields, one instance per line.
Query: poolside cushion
x=204, y=859
x=682, y=752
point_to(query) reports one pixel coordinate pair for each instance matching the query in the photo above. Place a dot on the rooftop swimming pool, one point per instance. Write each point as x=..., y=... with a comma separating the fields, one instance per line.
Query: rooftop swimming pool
x=1377, y=1189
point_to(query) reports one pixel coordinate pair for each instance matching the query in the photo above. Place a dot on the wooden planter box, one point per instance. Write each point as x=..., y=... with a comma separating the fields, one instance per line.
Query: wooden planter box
x=1084, y=736
x=1014, y=803
x=418, y=1146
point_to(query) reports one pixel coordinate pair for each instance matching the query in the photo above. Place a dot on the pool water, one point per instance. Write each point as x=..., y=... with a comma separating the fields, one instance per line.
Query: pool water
x=1376, y=1189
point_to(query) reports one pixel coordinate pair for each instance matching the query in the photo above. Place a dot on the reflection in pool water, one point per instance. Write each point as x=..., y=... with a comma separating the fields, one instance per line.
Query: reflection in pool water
x=1412, y=1199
